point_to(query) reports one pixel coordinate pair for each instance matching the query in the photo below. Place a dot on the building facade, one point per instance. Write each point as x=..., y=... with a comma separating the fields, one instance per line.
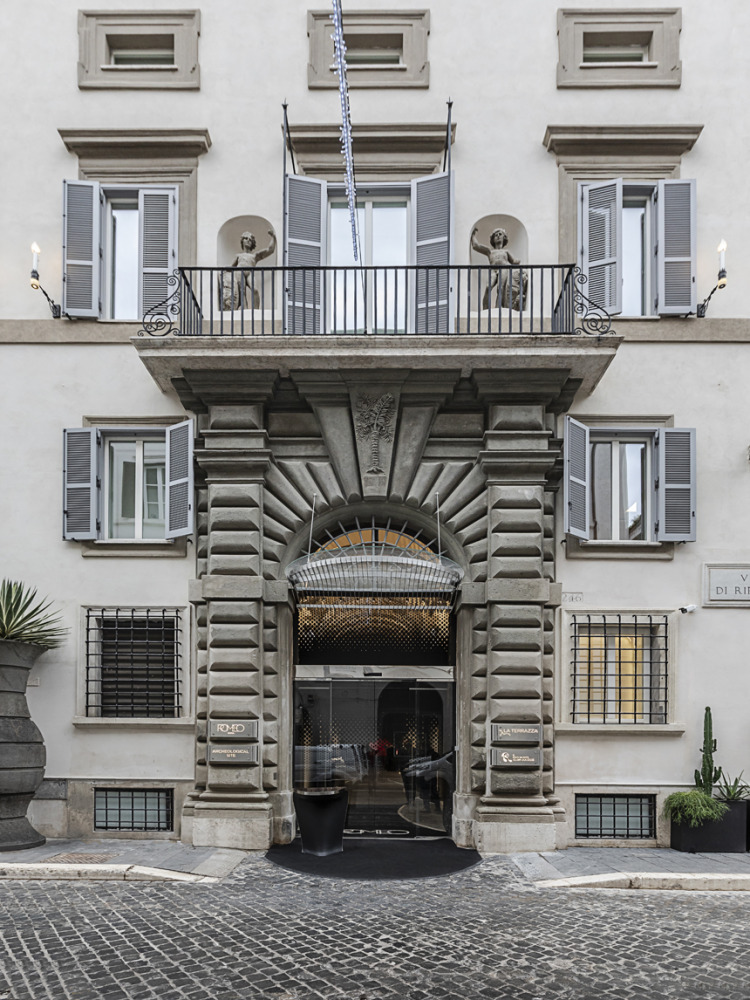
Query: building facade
x=458, y=524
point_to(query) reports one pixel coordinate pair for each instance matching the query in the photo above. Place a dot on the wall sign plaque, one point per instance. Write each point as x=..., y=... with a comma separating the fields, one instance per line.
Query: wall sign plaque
x=239, y=753
x=726, y=585
x=515, y=758
x=233, y=729
x=517, y=733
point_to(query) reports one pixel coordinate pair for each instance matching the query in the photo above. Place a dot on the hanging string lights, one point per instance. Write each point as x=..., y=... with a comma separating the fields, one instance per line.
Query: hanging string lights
x=346, y=121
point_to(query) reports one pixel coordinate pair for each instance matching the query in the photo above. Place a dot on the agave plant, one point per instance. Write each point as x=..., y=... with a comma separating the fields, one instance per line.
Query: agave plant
x=24, y=618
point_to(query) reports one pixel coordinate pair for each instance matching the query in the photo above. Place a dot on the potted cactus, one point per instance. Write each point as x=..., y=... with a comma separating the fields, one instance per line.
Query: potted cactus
x=27, y=629
x=701, y=822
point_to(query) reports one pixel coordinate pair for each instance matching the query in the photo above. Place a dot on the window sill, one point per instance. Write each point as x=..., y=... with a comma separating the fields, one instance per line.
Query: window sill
x=135, y=548
x=624, y=729
x=182, y=725
x=576, y=548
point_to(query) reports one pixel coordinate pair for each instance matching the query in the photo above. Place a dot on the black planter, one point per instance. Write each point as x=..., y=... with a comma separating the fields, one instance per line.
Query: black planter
x=321, y=816
x=22, y=752
x=728, y=835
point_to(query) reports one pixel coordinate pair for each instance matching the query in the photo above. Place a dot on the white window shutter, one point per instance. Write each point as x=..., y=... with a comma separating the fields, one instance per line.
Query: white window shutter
x=81, y=483
x=601, y=243
x=675, y=484
x=306, y=205
x=81, y=248
x=675, y=248
x=157, y=246
x=180, y=485
x=432, y=246
x=576, y=479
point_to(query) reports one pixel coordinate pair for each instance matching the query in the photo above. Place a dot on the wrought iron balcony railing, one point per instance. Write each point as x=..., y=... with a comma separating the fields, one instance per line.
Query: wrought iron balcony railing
x=536, y=299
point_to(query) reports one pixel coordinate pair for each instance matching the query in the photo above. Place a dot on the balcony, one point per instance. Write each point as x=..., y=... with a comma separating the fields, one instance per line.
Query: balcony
x=545, y=300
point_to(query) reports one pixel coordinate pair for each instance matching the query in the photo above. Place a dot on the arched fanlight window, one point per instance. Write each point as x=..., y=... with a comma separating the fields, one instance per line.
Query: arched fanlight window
x=375, y=560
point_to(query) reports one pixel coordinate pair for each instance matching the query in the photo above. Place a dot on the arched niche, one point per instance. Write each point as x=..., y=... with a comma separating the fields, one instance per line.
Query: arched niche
x=518, y=238
x=228, y=240
x=227, y=249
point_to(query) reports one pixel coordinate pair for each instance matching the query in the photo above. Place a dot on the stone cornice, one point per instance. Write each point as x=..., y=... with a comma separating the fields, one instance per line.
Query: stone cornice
x=586, y=141
x=227, y=360
x=90, y=143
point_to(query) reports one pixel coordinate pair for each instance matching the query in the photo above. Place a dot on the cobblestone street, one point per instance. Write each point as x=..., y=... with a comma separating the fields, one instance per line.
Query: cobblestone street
x=486, y=933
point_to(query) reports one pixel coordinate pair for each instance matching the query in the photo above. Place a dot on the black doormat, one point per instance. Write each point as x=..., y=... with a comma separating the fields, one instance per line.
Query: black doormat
x=378, y=859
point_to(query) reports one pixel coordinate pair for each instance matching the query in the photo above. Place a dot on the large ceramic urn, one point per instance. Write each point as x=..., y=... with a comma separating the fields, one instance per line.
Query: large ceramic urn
x=22, y=752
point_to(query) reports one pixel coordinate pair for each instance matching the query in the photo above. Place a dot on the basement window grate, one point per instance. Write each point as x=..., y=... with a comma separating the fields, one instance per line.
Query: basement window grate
x=133, y=809
x=616, y=817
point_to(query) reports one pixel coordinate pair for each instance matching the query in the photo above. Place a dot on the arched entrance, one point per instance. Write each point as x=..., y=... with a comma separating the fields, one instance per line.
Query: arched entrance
x=374, y=676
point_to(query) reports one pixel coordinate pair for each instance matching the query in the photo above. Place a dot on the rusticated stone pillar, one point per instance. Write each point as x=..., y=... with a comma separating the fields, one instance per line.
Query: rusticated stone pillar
x=517, y=754
x=233, y=808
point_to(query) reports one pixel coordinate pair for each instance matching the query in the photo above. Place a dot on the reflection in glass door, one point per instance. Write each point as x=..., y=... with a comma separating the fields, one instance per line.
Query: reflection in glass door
x=391, y=743
x=374, y=299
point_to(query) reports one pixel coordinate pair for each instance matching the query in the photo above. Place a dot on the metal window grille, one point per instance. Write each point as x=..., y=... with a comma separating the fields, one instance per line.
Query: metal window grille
x=133, y=809
x=616, y=817
x=133, y=662
x=619, y=669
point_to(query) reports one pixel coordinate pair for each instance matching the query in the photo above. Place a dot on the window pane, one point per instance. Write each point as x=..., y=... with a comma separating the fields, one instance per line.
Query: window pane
x=122, y=489
x=124, y=260
x=601, y=490
x=633, y=260
x=632, y=486
x=389, y=250
x=346, y=289
x=154, y=484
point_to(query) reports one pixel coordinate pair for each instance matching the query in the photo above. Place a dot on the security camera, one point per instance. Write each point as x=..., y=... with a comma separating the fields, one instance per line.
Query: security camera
x=689, y=609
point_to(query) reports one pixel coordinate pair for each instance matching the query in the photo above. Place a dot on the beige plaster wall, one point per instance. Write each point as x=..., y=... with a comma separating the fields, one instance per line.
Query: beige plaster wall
x=702, y=386
x=496, y=61
x=47, y=388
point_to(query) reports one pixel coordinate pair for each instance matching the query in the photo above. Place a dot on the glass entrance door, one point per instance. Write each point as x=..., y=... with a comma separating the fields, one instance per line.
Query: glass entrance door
x=390, y=742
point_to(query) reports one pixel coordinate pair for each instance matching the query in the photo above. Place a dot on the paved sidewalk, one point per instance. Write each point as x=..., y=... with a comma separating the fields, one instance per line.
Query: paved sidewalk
x=149, y=860
x=574, y=867
x=634, y=867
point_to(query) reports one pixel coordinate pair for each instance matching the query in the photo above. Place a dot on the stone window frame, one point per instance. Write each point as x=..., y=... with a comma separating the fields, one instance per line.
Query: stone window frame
x=185, y=722
x=96, y=28
x=139, y=548
x=658, y=28
x=637, y=153
x=563, y=699
x=413, y=70
x=146, y=157
x=576, y=548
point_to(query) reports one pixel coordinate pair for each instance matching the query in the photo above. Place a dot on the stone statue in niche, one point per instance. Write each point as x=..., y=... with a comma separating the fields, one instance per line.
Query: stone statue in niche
x=235, y=287
x=512, y=285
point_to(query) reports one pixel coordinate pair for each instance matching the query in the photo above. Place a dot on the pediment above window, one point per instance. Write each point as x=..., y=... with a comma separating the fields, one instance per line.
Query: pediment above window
x=386, y=152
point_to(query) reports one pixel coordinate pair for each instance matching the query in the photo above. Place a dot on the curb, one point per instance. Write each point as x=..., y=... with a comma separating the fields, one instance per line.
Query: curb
x=99, y=873
x=651, y=880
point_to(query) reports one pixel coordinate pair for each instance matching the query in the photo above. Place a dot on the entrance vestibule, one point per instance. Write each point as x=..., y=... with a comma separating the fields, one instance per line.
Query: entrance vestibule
x=374, y=699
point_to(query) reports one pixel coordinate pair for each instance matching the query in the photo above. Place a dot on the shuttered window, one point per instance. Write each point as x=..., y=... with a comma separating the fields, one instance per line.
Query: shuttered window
x=637, y=246
x=119, y=248
x=128, y=484
x=399, y=225
x=629, y=484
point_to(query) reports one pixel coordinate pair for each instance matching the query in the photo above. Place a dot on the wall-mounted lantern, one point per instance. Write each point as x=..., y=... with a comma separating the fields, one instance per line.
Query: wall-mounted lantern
x=36, y=284
x=721, y=280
